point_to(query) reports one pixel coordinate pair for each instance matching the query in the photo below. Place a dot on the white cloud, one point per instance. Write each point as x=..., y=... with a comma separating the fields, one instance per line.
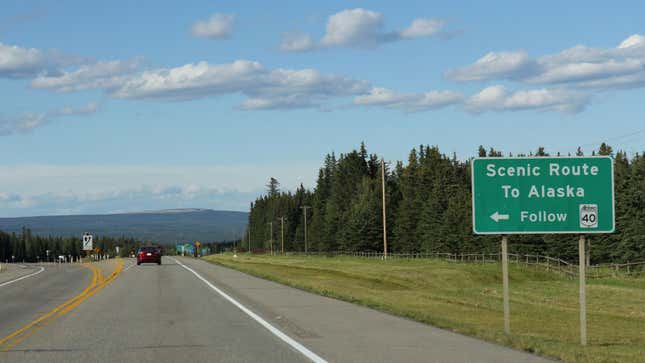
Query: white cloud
x=106, y=188
x=9, y=197
x=191, y=80
x=633, y=41
x=355, y=28
x=497, y=98
x=423, y=28
x=105, y=75
x=293, y=42
x=264, y=88
x=577, y=67
x=27, y=122
x=89, y=178
x=269, y=89
x=18, y=62
x=634, y=80
x=279, y=88
x=494, y=65
x=381, y=97
x=22, y=124
x=409, y=102
x=90, y=108
x=362, y=28
x=143, y=198
x=279, y=103
x=571, y=76
x=586, y=71
x=218, y=26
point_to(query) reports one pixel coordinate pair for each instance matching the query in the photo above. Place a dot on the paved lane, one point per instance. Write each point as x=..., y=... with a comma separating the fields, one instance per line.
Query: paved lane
x=25, y=300
x=344, y=332
x=153, y=313
x=198, y=312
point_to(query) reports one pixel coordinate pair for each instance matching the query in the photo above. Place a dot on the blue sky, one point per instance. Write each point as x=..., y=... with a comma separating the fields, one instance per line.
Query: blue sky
x=124, y=107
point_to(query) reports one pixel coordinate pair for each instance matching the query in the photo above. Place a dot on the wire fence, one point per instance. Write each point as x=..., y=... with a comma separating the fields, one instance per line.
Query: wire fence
x=540, y=261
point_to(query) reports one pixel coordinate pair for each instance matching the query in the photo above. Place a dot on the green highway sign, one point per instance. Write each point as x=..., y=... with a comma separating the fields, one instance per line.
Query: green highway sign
x=543, y=195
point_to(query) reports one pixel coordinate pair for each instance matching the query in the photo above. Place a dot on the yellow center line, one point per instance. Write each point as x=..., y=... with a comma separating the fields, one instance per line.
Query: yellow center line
x=97, y=284
x=112, y=276
x=47, y=315
x=100, y=275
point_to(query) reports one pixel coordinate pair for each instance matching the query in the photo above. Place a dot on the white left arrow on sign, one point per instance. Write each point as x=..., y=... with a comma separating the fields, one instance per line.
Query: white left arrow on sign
x=499, y=217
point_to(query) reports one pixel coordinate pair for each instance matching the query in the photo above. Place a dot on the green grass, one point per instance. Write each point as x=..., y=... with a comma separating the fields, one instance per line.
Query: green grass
x=467, y=298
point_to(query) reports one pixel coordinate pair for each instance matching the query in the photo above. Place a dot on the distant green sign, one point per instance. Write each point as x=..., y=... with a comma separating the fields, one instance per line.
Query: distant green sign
x=543, y=195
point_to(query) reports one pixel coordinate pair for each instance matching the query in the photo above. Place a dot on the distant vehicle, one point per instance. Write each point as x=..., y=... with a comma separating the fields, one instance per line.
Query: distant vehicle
x=149, y=254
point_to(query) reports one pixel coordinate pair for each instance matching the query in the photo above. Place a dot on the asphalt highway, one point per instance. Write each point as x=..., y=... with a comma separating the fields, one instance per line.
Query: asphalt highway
x=188, y=310
x=23, y=299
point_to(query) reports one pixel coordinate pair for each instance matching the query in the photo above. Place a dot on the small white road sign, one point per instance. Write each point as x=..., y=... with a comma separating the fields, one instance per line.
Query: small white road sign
x=588, y=215
x=87, y=242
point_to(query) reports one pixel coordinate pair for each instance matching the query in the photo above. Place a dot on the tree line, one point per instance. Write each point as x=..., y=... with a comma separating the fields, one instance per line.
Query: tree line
x=428, y=203
x=27, y=247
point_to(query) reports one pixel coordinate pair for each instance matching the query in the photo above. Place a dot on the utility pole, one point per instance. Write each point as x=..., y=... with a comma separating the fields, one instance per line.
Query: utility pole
x=271, y=238
x=249, y=239
x=304, y=208
x=384, y=218
x=282, y=219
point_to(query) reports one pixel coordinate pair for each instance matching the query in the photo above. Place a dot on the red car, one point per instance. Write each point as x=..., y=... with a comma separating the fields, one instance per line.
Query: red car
x=151, y=254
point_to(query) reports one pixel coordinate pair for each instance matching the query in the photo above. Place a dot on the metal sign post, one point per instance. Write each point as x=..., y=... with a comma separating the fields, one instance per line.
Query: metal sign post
x=543, y=195
x=507, y=304
x=583, y=296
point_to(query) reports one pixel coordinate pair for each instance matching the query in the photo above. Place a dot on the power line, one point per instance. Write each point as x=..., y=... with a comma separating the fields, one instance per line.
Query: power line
x=615, y=138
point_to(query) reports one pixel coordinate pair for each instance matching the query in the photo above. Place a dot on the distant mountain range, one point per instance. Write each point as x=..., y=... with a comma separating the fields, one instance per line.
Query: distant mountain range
x=164, y=226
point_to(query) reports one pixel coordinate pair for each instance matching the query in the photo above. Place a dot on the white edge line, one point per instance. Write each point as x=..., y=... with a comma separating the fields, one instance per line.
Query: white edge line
x=23, y=277
x=294, y=344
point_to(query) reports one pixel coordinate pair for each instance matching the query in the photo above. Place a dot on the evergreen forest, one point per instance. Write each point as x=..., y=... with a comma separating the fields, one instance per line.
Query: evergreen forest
x=428, y=201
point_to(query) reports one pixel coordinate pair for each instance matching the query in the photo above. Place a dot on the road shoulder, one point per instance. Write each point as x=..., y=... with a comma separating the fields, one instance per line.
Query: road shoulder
x=342, y=331
x=12, y=272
